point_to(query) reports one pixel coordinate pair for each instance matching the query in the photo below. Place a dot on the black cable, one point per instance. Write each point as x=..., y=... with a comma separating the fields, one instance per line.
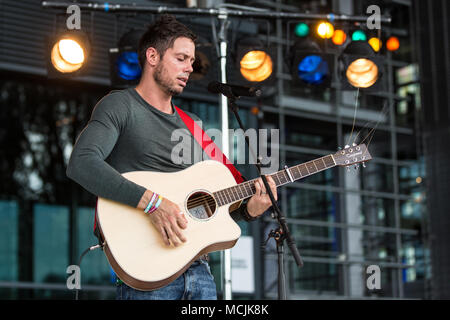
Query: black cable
x=79, y=262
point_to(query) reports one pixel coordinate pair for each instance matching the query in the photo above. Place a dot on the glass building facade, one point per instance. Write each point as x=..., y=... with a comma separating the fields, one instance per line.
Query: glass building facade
x=343, y=220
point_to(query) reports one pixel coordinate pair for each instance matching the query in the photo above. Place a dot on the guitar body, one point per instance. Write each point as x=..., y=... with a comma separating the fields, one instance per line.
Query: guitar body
x=133, y=246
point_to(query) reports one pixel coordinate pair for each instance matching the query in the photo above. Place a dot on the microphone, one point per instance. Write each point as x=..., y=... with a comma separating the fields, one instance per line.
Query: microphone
x=232, y=91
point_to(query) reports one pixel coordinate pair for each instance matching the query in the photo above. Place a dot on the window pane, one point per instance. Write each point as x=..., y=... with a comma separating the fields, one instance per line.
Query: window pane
x=9, y=241
x=51, y=243
x=311, y=204
x=377, y=212
x=322, y=277
x=377, y=177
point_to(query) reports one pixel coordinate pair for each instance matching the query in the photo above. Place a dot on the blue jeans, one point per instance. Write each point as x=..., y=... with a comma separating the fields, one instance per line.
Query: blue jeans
x=196, y=283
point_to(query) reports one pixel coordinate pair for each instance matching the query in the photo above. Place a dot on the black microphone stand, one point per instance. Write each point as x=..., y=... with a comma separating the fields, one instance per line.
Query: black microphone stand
x=282, y=233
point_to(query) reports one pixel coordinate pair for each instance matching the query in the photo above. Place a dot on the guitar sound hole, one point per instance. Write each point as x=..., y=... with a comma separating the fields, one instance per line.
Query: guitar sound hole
x=201, y=205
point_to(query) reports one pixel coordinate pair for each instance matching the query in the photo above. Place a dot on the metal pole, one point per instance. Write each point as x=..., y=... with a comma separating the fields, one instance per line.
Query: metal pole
x=117, y=7
x=225, y=254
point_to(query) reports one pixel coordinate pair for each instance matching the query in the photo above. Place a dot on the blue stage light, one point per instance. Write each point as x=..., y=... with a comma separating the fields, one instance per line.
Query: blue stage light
x=128, y=66
x=313, y=69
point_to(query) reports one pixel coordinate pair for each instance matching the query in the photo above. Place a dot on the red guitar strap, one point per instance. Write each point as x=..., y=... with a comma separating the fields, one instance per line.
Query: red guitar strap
x=211, y=149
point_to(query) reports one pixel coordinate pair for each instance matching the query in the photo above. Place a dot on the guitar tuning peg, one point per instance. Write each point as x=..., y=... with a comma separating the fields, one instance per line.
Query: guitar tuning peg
x=364, y=164
x=346, y=146
x=339, y=148
x=357, y=166
x=354, y=144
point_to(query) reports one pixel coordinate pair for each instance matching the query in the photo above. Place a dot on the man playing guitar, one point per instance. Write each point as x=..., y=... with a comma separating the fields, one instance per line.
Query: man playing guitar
x=131, y=130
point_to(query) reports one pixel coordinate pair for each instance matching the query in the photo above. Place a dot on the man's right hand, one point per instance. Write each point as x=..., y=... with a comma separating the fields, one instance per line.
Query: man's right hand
x=169, y=220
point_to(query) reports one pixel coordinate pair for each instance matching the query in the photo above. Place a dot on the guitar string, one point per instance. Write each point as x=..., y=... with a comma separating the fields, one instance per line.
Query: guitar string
x=383, y=113
x=359, y=132
x=354, y=117
x=371, y=133
x=230, y=195
x=201, y=199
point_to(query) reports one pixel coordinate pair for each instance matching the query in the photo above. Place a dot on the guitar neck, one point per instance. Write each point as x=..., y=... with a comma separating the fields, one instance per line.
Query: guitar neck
x=247, y=189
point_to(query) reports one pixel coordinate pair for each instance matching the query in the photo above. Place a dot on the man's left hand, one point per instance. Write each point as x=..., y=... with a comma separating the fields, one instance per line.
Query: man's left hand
x=260, y=201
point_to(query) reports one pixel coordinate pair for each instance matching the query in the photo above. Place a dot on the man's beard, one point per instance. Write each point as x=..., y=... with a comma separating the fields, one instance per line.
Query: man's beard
x=164, y=81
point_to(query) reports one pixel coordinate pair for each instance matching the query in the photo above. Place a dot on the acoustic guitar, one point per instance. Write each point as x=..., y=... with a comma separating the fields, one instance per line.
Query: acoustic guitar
x=204, y=192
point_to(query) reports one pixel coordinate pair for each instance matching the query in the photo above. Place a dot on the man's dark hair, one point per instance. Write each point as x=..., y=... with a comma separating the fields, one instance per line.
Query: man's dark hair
x=161, y=35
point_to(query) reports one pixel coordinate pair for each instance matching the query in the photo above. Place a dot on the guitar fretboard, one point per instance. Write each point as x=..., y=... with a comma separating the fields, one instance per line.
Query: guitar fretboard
x=247, y=189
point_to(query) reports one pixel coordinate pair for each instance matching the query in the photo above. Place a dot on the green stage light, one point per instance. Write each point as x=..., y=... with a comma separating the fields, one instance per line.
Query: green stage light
x=359, y=35
x=301, y=30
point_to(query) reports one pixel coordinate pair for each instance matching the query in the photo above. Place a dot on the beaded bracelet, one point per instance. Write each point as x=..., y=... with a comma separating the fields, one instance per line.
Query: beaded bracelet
x=156, y=205
x=155, y=195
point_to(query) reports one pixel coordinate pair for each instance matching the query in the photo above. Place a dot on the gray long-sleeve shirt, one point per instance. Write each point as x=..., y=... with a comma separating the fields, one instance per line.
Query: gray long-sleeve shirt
x=126, y=134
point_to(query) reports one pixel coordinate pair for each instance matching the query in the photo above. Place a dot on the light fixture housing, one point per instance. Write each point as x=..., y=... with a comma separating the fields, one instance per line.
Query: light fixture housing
x=310, y=65
x=203, y=67
x=360, y=67
x=124, y=68
x=68, y=54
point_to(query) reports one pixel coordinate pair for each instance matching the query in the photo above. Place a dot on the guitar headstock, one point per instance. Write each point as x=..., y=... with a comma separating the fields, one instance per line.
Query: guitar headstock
x=352, y=155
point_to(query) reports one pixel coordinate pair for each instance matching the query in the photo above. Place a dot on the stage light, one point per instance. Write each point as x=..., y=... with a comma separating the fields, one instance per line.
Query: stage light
x=339, y=37
x=255, y=61
x=310, y=65
x=68, y=53
x=301, y=30
x=360, y=66
x=375, y=43
x=392, y=44
x=255, y=110
x=127, y=64
x=359, y=35
x=325, y=30
x=124, y=65
x=362, y=73
x=313, y=69
x=256, y=66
